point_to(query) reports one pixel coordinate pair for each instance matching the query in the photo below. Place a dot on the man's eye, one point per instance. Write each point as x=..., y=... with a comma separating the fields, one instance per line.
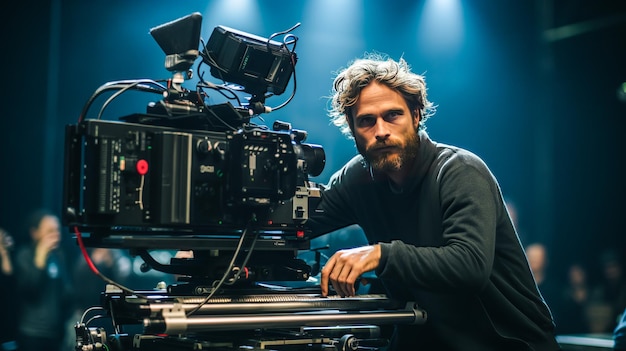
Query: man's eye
x=365, y=122
x=392, y=115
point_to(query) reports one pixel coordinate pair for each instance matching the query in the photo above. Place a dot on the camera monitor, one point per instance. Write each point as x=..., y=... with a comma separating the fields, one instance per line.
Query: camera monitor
x=258, y=64
x=179, y=39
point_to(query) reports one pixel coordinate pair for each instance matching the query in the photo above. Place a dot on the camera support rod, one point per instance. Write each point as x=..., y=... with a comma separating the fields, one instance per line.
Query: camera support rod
x=175, y=322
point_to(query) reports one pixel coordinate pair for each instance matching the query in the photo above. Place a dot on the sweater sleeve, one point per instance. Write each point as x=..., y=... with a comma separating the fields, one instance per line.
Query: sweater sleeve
x=467, y=195
x=334, y=211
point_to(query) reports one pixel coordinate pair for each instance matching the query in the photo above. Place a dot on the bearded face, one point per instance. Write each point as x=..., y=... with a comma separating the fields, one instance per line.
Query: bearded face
x=385, y=130
x=391, y=155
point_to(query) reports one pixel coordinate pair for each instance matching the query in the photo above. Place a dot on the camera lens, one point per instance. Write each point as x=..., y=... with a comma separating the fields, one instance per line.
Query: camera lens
x=315, y=158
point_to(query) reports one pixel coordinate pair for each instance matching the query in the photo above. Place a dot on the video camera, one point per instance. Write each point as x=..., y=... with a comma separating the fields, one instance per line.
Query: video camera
x=188, y=175
x=185, y=166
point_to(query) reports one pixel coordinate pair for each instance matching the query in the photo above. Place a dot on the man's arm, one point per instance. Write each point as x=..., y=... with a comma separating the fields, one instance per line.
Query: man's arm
x=466, y=230
x=468, y=202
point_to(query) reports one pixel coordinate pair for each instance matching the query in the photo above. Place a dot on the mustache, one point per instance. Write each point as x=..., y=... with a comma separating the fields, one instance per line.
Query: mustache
x=383, y=145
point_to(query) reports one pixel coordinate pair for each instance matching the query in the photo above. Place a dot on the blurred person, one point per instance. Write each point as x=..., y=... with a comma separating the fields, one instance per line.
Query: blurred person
x=43, y=286
x=608, y=297
x=111, y=263
x=6, y=245
x=538, y=260
x=438, y=229
x=8, y=330
x=571, y=313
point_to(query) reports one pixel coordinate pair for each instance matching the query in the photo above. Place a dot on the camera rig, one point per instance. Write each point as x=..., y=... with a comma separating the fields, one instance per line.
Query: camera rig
x=202, y=178
x=189, y=167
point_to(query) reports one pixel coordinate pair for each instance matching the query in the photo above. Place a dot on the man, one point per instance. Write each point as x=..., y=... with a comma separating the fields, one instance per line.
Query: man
x=440, y=232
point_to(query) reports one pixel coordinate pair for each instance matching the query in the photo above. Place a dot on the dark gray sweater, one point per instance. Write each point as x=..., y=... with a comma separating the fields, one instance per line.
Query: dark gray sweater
x=449, y=245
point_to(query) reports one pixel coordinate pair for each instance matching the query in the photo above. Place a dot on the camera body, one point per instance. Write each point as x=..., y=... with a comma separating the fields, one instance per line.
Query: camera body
x=140, y=178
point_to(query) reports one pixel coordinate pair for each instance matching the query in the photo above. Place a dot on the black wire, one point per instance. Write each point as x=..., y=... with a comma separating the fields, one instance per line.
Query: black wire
x=93, y=308
x=159, y=89
x=245, y=261
x=289, y=39
x=113, y=322
x=206, y=55
x=226, y=273
x=220, y=89
x=115, y=95
x=279, y=33
x=293, y=65
x=94, y=269
x=94, y=318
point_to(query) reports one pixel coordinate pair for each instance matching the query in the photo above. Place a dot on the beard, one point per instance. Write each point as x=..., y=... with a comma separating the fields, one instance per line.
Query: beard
x=389, y=156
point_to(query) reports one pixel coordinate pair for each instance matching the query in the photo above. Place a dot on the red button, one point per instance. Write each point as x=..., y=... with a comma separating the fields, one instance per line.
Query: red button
x=142, y=167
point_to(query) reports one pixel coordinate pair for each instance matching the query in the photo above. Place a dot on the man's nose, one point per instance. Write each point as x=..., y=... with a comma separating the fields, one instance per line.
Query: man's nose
x=381, y=130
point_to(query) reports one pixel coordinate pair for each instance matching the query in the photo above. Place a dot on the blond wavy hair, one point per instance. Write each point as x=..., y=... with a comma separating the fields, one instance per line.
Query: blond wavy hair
x=377, y=67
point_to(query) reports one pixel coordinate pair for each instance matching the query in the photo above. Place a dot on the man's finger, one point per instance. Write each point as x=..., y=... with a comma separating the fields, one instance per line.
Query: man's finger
x=352, y=281
x=325, y=273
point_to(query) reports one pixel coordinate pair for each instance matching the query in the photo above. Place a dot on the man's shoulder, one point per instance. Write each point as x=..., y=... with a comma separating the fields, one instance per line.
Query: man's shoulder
x=355, y=167
x=449, y=155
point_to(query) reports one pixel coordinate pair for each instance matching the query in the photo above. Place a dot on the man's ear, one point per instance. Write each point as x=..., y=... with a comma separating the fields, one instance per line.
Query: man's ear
x=416, y=119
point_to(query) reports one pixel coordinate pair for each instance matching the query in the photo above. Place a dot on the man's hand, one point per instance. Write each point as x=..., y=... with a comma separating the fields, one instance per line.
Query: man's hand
x=345, y=266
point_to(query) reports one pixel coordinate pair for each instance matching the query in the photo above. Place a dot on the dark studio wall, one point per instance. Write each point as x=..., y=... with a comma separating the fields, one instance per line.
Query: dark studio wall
x=588, y=114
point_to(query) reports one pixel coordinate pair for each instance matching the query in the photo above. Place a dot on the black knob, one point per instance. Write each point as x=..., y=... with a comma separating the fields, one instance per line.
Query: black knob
x=204, y=146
